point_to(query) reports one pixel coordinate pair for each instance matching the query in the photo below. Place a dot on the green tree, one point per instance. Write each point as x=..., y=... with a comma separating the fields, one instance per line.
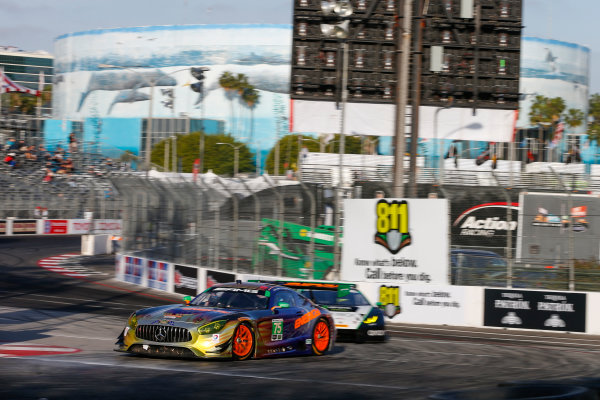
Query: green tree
x=545, y=110
x=593, y=129
x=574, y=118
x=218, y=158
x=288, y=150
x=24, y=103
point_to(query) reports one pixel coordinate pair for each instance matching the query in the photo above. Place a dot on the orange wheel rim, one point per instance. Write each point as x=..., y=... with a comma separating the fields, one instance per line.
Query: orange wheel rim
x=321, y=336
x=242, y=341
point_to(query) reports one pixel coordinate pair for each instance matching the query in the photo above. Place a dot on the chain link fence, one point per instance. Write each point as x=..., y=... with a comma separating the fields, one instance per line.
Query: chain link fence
x=286, y=228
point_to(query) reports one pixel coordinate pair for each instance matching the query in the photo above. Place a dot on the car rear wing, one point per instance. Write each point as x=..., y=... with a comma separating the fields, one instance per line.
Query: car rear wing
x=342, y=288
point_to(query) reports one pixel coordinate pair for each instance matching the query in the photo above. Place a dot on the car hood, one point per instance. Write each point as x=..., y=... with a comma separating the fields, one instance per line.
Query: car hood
x=181, y=313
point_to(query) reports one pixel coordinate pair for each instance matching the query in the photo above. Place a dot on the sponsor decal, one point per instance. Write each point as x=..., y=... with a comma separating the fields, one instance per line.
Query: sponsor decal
x=3, y=227
x=158, y=275
x=277, y=329
x=186, y=280
x=389, y=298
x=306, y=318
x=216, y=337
x=559, y=311
x=233, y=289
x=375, y=333
x=392, y=225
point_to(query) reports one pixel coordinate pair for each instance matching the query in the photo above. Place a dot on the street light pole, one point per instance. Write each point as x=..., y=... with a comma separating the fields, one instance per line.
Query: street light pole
x=402, y=67
x=236, y=153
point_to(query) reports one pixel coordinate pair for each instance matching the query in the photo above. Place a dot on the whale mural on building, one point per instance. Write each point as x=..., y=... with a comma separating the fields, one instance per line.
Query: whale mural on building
x=125, y=79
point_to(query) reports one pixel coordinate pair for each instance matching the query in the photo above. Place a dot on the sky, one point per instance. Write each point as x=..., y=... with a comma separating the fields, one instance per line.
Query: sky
x=34, y=24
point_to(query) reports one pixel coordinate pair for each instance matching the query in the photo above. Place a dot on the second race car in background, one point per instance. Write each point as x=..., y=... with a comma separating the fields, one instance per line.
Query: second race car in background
x=354, y=316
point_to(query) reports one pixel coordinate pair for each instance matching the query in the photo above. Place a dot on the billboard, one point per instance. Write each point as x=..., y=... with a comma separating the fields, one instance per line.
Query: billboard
x=158, y=275
x=552, y=311
x=186, y=280
x=552, y=225
x=150, y=75
x=24, y=227
x=214, y=277
x=134, y=270
x=56, y=226
x=553, y=69
x=396, y=240
x=419, y=304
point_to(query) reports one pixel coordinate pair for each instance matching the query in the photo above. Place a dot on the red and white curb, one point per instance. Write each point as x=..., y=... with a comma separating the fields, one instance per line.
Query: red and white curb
x=21, y=350
x=58, y=264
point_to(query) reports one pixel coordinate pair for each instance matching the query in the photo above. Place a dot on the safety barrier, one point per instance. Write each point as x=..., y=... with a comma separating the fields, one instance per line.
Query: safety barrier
x=468, y=306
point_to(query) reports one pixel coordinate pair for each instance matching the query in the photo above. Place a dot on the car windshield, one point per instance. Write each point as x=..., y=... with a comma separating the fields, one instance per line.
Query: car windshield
x=228, y=297
x=330, y=297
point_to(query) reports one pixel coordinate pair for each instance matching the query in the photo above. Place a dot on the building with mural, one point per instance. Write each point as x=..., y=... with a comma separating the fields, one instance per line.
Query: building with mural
x=111, y=81
x=553, y=68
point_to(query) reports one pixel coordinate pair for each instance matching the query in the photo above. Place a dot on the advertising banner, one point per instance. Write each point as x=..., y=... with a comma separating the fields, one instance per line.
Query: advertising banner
x=158, y=274
x=396, y=241
x=551, y=311
x=479, y=217
x=186, y=280
x=24, y=227
x=3, y=227
x=134, y=269
x=56, y=226
x=419, y=304
x=549, y=223
x=95, y=226
x=214, y=277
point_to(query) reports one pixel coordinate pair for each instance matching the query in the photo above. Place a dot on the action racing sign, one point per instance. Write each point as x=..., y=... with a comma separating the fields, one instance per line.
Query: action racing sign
x=525, y=309
x=399, y=241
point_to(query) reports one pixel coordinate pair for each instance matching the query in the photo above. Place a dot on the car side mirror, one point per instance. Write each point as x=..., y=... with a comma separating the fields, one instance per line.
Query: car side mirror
x=279, y=305
x=187, y=300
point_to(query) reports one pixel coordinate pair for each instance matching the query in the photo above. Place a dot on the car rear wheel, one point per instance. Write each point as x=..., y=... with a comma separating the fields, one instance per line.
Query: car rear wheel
x=321, y=337
x=243, y=342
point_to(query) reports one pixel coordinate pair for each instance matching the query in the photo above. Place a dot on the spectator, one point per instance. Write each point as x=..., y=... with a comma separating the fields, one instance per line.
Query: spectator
x=9, y=143
x=72, y=143
x=11, y=159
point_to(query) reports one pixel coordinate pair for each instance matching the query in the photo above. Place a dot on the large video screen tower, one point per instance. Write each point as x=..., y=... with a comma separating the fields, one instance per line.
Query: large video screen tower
x=470, y=52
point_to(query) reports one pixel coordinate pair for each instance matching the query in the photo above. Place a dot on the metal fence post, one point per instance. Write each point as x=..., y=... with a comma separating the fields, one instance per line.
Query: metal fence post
x=570, y=227
x=280, y=211
x=509, y=258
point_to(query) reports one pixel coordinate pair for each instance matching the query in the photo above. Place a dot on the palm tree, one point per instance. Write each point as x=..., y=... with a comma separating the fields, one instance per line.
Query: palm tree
x=593, y=129
x=546, y=111
x=228, y=82
x=250, y=98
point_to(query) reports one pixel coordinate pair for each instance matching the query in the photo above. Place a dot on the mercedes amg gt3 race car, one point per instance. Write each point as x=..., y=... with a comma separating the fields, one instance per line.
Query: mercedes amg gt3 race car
x=231, y=320
x=355, y=318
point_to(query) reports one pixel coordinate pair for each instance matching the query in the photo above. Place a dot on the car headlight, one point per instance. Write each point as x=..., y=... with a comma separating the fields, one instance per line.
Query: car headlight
x=371, y=320
x=211, y=328
x=132, y=322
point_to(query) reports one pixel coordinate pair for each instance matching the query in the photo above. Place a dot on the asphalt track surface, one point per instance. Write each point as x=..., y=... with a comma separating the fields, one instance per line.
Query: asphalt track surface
x=57, y=333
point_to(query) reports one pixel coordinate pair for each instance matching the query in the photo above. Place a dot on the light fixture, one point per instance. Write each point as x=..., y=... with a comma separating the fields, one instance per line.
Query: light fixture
x=339, y=31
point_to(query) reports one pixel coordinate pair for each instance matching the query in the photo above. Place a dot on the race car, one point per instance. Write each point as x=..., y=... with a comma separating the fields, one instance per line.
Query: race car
x=231, y=320
x=355, y=318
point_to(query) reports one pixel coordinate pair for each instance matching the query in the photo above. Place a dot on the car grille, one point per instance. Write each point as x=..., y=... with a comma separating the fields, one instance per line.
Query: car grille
x=162, y=333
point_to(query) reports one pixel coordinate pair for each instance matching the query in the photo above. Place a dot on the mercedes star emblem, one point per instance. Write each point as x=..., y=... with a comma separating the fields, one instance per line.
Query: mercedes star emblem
x=161, y=334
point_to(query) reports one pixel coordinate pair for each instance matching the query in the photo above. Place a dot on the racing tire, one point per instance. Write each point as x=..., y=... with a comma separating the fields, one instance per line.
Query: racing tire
x=321, y=337
x=242, y=342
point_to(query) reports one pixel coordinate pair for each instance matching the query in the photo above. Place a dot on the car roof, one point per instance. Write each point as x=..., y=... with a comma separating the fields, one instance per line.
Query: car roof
x=248, y=285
